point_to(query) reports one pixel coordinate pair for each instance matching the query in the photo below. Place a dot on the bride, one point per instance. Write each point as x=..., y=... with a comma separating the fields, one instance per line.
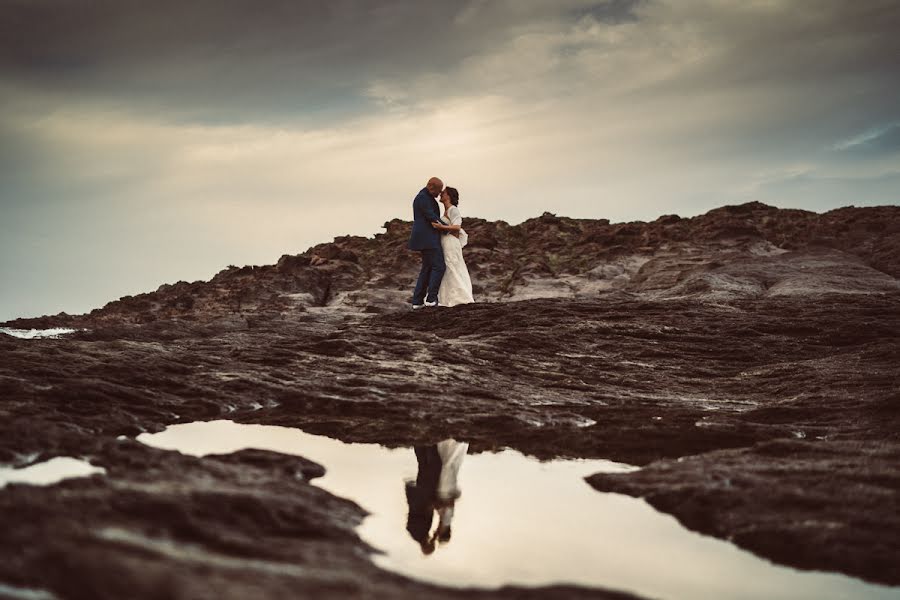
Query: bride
x=456, y=286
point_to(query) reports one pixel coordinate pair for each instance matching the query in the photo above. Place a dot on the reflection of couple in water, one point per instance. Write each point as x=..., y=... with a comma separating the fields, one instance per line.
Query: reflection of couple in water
x=435, y=489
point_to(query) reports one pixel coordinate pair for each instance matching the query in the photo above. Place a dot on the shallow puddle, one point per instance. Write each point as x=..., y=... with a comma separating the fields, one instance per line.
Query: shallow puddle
x=48, y=472
x=517, y=520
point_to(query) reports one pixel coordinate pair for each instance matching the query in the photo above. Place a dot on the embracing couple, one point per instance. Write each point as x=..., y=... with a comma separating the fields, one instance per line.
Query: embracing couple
x=444, y=279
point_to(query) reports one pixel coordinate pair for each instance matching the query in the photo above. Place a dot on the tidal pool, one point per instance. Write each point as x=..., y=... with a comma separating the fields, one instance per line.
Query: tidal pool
x=518, y=521
x=48, y=472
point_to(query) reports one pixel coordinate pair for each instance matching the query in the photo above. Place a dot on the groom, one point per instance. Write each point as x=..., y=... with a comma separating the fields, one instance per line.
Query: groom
x=427, y=240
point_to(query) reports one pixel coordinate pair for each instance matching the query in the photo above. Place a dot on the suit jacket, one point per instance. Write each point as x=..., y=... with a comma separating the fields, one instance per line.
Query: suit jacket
x=425, y=212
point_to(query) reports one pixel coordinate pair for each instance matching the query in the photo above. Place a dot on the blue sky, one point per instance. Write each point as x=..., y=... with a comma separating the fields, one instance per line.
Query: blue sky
x=144, y=143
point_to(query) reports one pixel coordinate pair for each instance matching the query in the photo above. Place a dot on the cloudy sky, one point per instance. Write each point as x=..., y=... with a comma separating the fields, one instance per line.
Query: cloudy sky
x=148, y=142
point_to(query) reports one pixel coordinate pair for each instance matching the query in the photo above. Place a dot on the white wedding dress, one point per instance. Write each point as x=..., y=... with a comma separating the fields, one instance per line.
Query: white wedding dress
x=452, y=454
x=456, y=286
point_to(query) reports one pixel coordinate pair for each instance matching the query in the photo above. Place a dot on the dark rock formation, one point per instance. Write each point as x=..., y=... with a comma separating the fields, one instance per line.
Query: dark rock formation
x=747, y=358
x=746, y=251
x=835, y=493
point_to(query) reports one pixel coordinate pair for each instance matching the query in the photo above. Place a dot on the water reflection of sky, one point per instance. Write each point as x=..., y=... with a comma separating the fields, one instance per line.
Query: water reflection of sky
x=48, y=472
x=524, y=522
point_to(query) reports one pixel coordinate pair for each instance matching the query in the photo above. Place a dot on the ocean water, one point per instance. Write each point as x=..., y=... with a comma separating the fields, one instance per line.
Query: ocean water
x=30, y=334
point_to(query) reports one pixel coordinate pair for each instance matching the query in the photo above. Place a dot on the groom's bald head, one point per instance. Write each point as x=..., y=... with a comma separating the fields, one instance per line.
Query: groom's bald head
x=434, y=186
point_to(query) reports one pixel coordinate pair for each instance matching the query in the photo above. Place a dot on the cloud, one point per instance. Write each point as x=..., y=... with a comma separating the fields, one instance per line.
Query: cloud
x=157, y=141
x=237, y=60
x=884, y=140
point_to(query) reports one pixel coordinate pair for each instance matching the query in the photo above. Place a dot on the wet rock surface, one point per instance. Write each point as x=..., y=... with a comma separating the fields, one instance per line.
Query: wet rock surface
x=746, y=358
x=814, y=504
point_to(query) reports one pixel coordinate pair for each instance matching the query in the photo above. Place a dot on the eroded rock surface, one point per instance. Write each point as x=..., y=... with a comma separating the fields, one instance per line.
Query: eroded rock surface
x=746, y=358
x=734, y=252
x=820, y=504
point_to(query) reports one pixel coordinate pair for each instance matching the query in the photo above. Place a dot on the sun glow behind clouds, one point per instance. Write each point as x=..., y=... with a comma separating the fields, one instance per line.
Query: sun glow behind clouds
x=266, y=164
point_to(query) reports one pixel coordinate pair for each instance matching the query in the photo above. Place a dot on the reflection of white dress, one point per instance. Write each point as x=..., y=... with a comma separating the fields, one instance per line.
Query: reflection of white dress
x=452, y=454
x=456, y=286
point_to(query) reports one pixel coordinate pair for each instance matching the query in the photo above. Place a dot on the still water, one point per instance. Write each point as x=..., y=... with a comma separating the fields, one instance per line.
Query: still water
x=49, y=472
x=489, y=520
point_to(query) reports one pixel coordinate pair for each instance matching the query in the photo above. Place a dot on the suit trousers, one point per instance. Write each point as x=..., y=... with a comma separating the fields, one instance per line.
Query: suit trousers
x=430, y=275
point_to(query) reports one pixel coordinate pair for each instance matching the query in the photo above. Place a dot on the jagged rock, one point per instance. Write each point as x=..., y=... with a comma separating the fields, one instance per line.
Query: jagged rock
x=750, y=250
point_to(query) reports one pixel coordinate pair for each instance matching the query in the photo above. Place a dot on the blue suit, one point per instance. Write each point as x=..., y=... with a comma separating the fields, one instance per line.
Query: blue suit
x=427, y=240
x=425, y=212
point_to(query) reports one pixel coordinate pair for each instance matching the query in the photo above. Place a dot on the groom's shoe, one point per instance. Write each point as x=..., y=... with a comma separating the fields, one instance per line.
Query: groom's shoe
x=427, y=303
x=418, y=306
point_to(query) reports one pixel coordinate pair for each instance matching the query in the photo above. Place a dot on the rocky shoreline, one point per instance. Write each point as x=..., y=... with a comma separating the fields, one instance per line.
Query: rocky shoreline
x=746, y=359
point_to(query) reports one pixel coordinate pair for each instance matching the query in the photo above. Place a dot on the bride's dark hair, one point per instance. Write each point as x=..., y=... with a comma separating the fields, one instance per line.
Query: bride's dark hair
x=454, y=195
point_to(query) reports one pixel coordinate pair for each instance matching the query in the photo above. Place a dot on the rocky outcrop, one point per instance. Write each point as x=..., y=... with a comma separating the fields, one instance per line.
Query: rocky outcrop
x=746, y=251
x=835, y=488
